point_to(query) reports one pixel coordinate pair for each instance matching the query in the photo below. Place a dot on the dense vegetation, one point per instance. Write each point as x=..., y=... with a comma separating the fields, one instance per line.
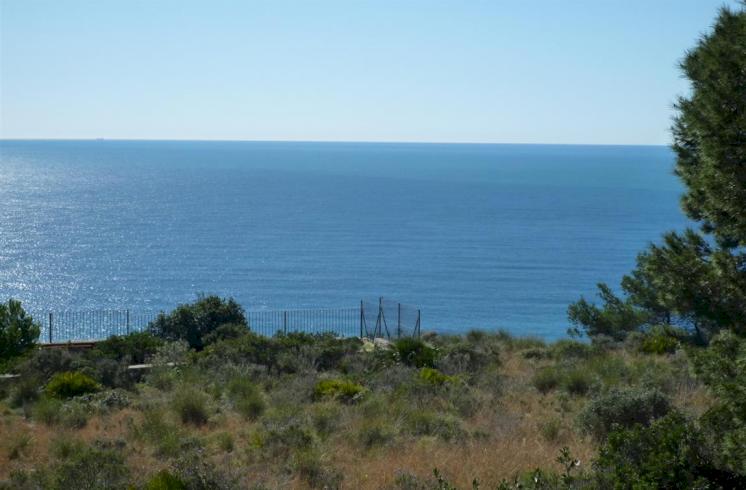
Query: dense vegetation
x=655, y=399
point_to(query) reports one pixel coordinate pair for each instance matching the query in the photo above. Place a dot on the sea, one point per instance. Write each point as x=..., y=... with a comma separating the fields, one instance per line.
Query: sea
x=477, y=236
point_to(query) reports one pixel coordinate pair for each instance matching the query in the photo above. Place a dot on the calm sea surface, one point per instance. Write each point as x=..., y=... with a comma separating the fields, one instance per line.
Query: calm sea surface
x=480, y=236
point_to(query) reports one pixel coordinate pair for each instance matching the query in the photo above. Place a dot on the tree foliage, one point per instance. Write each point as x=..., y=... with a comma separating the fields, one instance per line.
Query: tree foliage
x=192, y=322
x=616, y=318
x=18, y=331
x=710, y=130
x=693, y=280
x=722, y=367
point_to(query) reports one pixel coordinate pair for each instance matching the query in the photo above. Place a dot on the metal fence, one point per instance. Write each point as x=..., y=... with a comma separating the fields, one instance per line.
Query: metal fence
x=381, y=318
x=72, y=326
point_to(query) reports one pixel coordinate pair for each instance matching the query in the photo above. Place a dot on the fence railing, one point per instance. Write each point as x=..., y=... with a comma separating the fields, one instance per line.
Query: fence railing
x=382, y=318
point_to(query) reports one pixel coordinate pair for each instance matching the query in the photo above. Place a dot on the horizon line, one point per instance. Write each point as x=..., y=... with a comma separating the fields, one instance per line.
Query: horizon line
x=402, y=142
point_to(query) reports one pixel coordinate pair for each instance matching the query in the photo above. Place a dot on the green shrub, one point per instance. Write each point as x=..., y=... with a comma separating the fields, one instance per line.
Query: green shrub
x=197, y=472
x=520, y=343
x=70, y=384
x=414, y=352
x=314, y=472
x=134, y=348
x=325, y=417
x=660, y=340
x=550, y=429
x=338, y=389
x=16, y=445
x=192, y=322
x=191, y=406
x=25, y=390
x=246, y=398
x=622, y=408
x=467, y=357
x=430, y=423
x=670, y=453
x=722, y=368
x=374, y=434
x=157, y=431
x=610, y=370
x=164, y=480
x=228, y=331
x=42, y=364
x=570, y=349
x=47, y=410
x=74, y=415
x=18, y=331
x=282, y=434
x=88, y=467
x=225, y=441
x=546, y=379
x=577, y=381
x=435, y=377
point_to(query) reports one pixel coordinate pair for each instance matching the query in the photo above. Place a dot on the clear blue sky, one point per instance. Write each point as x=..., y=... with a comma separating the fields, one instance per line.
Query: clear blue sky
x=519, y=71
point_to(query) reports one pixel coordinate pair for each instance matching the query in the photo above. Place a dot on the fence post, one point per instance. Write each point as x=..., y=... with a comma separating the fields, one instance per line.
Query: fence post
x=362, y=318
x=418, y=323
x=285, y=321
x=398, y=321
x=128, y=322
x=50, y=327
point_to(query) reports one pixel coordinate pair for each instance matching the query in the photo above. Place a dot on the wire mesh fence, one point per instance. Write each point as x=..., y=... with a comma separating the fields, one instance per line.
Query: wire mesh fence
x=381, y=318
x=342, y=322
x=389, y=319
x=90, y=325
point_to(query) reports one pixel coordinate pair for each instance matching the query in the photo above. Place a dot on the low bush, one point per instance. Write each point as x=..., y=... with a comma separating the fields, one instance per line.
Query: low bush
x=546, y=379
x=414, y=352
x=156, y=430
x=315, y=472
x=661, y=340
x=225, y=441
x=325, y=417
x=17, y=445
x=468, y=357
x=74, y=415
x=70, y=384
x=430, y=423
x=195, y=470
x=281, y=435
x=338, y=389
x=246, y=398
x=191, y=406
x=165, y=480
x=134, y=348
x=435, y=377
x=570, y=349
x=228, y=331
x=670, y=453
x=47, y=410
x=25, y=390
x=373, y=434
x=577, y=381
x=609, y=370
x=192, y=322
x=550, y=429
x=622, y=408
x=42, y=364
x=87, y=467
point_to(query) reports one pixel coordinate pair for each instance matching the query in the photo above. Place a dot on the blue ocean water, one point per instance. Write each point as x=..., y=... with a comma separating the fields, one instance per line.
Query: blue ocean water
x=479, y=236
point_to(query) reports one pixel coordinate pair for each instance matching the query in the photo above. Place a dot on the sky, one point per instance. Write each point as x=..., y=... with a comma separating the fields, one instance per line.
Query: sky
x=496, y=71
